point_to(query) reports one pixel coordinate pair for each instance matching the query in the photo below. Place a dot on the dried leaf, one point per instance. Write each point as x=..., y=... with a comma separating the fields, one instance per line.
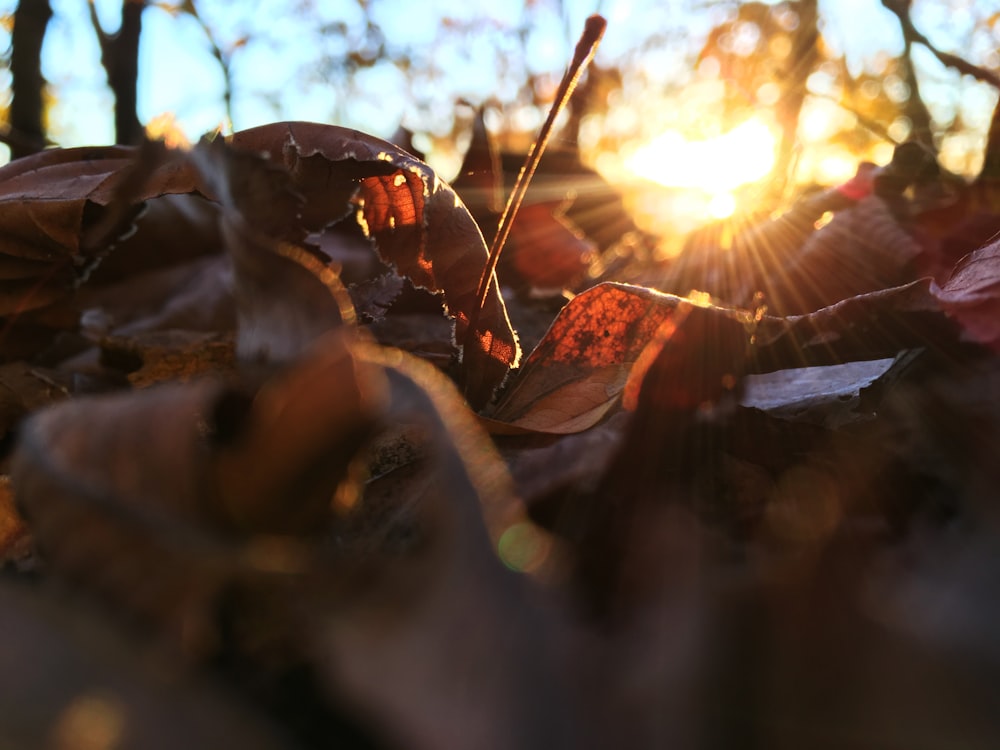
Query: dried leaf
x=50, y=204
x=569, y=407
x=162, y=529
x=44, y=197
x=418, y=223
x=595, y=207
x=404, y=637
x=831, y=396
x=131, y=527
x=577, y=372
x=869, y=326
x=866, y=248
x=480, y=179
x=972, y=293
x=548, y=251
x=286, y=296
x=170, y=229
x=194, y=295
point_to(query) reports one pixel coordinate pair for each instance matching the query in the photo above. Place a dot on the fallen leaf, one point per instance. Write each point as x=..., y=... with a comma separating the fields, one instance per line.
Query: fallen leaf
x=830, y=396
x=576, y=374
x=480, y=178
x=548, y=251
x=286, y=295
x=162, y=531
x=170, y=229
x=193, y=295
x=49, y=203
x=419, y=225
x=865, y=248
x=595, y=207
x=386, y=621
x=870, y=326
x=972, y=293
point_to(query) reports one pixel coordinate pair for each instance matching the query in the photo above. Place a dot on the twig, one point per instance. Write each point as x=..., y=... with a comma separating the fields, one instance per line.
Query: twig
x=913, y=36
x=224, y=59
x=585, y=49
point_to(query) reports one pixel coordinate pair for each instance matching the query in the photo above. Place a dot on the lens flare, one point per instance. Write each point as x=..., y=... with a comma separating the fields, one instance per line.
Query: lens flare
x=714, y=166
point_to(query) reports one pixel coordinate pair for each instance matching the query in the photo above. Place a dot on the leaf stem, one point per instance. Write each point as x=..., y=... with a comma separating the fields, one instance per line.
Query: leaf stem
x=585, y=48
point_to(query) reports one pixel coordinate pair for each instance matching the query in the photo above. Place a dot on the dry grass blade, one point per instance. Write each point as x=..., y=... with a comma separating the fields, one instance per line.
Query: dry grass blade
x=584, y=53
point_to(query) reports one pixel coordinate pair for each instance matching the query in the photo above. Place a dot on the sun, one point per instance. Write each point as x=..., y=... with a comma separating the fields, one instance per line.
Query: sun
x=716, y=167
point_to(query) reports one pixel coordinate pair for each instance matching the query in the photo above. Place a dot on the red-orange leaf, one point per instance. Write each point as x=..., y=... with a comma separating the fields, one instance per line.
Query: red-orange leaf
x=576, y=373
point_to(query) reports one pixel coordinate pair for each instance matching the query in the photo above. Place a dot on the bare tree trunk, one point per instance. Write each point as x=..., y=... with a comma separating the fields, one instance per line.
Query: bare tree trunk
x=120, y=58
x=801, y=63
x=27, y=130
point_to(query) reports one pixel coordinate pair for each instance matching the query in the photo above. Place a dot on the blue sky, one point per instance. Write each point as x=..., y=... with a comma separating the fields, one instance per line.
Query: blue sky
x=178, y=74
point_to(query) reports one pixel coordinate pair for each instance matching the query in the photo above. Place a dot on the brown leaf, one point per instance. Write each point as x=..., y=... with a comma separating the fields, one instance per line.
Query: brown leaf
x=42, y=218
x=480, y=179
x=577, y=372
x=412, y=625
x=286, y=294
x=595, y=207
x=831, y=396
x=971, y=296
x=170, y=230
x=122, y=523
x=419, y=225
x=570, y=407
x=152, y=497
x=548, y=251
x=869, y=326
x=865, y=248
x=49, y=204
x=192, y=295
x=62, y=212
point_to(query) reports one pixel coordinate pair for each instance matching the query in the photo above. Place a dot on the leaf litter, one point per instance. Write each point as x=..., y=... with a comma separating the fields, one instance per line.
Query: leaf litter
x=260, y=452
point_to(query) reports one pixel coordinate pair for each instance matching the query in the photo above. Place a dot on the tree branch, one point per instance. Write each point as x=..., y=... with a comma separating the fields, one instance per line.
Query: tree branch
x=901, y=8
x=223, y=58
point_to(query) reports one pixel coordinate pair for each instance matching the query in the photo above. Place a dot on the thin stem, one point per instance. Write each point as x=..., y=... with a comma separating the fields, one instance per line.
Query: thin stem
x=584, y=53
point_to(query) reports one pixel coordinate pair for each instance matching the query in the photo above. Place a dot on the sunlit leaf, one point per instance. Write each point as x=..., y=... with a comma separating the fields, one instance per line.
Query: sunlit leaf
x=585, y=356
x=418, y=223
